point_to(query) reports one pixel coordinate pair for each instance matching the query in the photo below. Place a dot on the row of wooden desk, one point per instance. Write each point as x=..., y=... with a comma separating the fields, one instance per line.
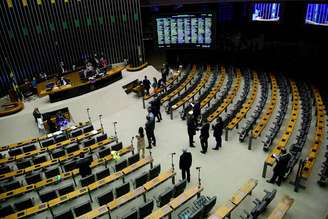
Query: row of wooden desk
x=265, y=118
x=228, y=100
x=49, y=148
x=282, y=142
x=34, y=140
x=182, y=85
x=246, y=106
x=81, y=191
x=215, y=89
x=63, y=176
x=318, y=135
x=195, y=91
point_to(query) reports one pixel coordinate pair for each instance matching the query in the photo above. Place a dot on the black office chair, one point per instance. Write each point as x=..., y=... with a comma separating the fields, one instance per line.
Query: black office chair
x=24, y=164
x=58, y=153
x=82, y=208
x=24, y=204
x=32, y=179
x=131, y=215
x=121, y=165
x=70, y=166
x=104, y=152
x=88, y=128
x=39, y=159
x=5, y=211
x=12, y=185
x=15, y=152
x=52, y=172
x=179, y=188
x=47, y=142
x=68, y=214
x=146, y=209
x=66, y=189
x=154, y=172
x=60, y=138
x=198, y=214
x=101, y=137
x=29, y=148
x=87, y=180
x=105, y=198
x=134, y=158
x=48, y=195
x=102, y=174
x=76, y=133
x=141, y=180
x=72, y=148
x=117, y=147
x=4, y=169
x=89, y=142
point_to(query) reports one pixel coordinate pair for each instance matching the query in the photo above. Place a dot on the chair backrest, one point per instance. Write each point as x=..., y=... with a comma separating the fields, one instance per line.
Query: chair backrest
x=47, y=142
x=141, y=180
x=76, y=132
x=88, y=128
x=5, y=211
x=134, y=158
x=23, y=164
x=122, y=190
x=102, y=174
x=131, y=215
x=58, y=153
x=154, y=172
x=39, y=159
x=24, y=204
x=72, y=147
x=121, y=165
x=179, y=187
x=89, y=142
x=165, y=197
x=68, y=214
x=101, y=137
x=146, y=209
x=4, y=169
x=209, y=204
x=29, y=148
x=87, y=180
x=60, y=138
x=15, y=152
x=105, y=198
x=82, y=208
x=198, y=214
x=48, y=195
x=52, y=172
x=70, y=166
x=31, y=179
x=104, y=152
x=117, y=147
x=11, y=186
x=66, y=189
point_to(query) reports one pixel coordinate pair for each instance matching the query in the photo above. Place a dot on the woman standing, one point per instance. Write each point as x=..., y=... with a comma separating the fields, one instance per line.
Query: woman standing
x=141, y=142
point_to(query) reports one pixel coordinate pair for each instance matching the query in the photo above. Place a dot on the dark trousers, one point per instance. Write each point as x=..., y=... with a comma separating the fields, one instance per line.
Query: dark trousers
x=204, y=143
x=159, y=116
x=218, y=142
x=191, y=139
x=151, y=139
x=277, y=175
x=147, y=91
x=184, y=171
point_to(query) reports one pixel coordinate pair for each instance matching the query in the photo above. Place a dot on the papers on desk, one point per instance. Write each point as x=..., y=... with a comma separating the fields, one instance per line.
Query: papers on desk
x=94, y=132
x=58, y=132
x=73, y=127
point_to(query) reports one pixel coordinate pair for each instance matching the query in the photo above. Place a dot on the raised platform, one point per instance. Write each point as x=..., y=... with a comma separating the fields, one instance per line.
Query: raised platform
x=77, y=86
x=11, y=108
x=138, y=68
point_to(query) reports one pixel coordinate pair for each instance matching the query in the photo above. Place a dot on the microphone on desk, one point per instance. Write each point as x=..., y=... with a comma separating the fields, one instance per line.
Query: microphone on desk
x=197, y=168
x=173, y=153
x=115, y=122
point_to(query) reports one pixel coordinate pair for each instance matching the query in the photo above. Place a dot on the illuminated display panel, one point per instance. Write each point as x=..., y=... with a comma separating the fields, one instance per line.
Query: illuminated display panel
x=266, y=12
x=317, y=14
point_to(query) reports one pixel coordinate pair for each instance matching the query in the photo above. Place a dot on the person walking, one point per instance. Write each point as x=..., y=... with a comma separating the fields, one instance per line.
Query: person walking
x=185, y=162
x=150, y=127
x=146, y=85
x=217, y=133
x=191, y=129
x=196, y=111
x=281, y=167
x=204, y=135
x=157, y=108
x=141, y=142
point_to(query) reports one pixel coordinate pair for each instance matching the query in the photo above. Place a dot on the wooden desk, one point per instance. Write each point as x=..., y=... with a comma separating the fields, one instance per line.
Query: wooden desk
x=161, y=212
x=223, y=211
x=126, y=198
x=159, y=179
x=137, y=165
x=245, y=190
x=95, y=213
x=184, y=197
x=282, y=208
x=67, y=197
x=111, y=178
x=30, y=211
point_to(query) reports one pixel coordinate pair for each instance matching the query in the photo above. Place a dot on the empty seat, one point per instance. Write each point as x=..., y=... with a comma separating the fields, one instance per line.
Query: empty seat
x=23, y=164
x=121, y=165
x=5, y=211
x=33, y=178
x=68, y=214
x=105, y=198
x=58, y=153
x=133, y=214
x=133, y=159
x=88, y=128
x=179, y=187
x=66, y=189
x=87, y=180
x=60, y=138
x=165, y=197
x=52, y=172
x=70, y=166
x=104, y=152
x=76, y=132
x=102, y=174
x=29, y=148
x=101, y=137
x=82, y=209
x=89, y=142
x=4, y=169
x=117, y=147
x=47, y=142
x=141, y=180
x=154, y=172
x=11, y=186
x=146, y=209
x=39, y=159
x=48, y=195
x=122, y=190
x=27, y=203
x=15, y=152
x=71, y=148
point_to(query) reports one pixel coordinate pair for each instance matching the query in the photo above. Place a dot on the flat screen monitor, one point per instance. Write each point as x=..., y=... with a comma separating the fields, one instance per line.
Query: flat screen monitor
x=266, y=12
x=194, y=30
x=317, y=14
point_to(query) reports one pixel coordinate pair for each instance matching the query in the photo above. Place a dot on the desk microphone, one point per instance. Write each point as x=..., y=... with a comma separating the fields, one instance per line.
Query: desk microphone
x=173, y=153
x=198, y=168
x=115, y=122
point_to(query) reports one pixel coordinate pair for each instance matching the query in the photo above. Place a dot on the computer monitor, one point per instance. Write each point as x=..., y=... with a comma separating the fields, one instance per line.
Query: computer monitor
x=165, y=197
x=134, y=158
x=101, y=137
x=33, y=179
x=89, y=142
x=105, y=198
x=68, y=214
x=117, y=146
x=48, y=195
x=180, y=187
x=66, y=189
x=198, y=214
x=102, y=174
x=122, y=190
x=146, y=209
x=82, y=209
x=87, y=180
x=131, y=215
x=141, y=180
x=154, y=172
x=121, y=165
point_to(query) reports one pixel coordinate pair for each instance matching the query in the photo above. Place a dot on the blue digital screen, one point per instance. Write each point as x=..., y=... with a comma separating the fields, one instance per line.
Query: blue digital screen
x=266, y=12
x=193, y=30
x=317, y=14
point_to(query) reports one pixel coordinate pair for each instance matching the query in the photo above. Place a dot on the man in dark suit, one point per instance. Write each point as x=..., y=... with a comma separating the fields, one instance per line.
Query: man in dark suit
x=150, y=127
x=196, y=111
x=185, y=164
x=146, y=85
x=191, y=129
x=84, y=165
x=217, y=133
x=157, y=108
x=204, y=135
x=281, y=167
